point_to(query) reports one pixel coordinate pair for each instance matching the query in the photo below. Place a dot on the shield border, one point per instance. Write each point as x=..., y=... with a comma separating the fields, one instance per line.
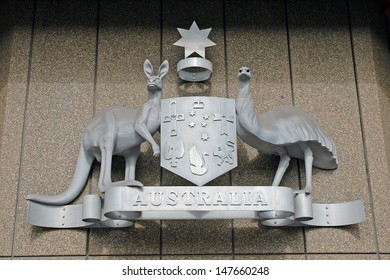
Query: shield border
x=213, y=120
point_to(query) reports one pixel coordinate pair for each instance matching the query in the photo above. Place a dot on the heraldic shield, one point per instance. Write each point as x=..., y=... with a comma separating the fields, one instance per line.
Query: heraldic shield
x=198, y=137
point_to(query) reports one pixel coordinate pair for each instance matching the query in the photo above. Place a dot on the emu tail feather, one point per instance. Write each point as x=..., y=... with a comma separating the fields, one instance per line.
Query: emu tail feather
x=83, y=167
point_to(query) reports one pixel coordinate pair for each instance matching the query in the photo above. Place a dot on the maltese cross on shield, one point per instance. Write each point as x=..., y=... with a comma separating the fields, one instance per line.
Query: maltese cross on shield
x=198, y=137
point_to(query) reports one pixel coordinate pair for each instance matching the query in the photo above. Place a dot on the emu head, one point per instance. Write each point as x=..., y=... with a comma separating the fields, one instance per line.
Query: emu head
x=244, y=74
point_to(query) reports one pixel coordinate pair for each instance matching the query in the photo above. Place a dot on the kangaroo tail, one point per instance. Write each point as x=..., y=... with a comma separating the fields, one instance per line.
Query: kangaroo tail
x=83, y=167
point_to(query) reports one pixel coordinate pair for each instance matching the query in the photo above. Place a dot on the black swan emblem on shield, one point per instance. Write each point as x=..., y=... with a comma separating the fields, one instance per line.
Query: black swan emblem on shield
x=198, y=164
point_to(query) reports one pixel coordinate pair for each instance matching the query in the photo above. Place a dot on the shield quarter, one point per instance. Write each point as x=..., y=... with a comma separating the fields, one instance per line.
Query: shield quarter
x=198, y=137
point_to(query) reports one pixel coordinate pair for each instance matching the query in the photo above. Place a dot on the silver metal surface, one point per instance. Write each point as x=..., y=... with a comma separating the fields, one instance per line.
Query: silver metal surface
x=204, y=69
x=198, y=136
x=274, y=206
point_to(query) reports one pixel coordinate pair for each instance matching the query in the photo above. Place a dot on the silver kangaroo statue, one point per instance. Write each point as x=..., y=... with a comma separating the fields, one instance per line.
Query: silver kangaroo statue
x=115, y=131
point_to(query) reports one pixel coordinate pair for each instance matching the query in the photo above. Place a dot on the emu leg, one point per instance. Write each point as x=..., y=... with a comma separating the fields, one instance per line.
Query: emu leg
x=283, y=164
x=308, y=156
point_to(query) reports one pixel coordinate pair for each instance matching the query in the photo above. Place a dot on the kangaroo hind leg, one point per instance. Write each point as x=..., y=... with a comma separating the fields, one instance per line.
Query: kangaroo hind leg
x=131, y=161
x=106, y=149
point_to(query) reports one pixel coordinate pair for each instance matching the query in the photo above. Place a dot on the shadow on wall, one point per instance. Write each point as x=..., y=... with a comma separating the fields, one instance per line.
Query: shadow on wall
x=15, y=15
x=5, y=49
x=384, y=6
x=381, y=54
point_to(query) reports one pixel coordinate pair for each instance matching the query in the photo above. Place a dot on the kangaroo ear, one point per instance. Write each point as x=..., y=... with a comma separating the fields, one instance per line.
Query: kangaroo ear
x=148, y=68
x=163, y=70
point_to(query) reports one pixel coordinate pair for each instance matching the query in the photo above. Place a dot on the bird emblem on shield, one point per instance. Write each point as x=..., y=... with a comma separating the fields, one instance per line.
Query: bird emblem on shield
x=198, y=137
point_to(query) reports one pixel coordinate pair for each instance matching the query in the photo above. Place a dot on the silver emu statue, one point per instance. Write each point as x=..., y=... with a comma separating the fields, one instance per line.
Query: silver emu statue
x=286, y=131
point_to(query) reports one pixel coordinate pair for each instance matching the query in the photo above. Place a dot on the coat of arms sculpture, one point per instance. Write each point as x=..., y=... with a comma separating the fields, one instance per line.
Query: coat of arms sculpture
x=198, y=143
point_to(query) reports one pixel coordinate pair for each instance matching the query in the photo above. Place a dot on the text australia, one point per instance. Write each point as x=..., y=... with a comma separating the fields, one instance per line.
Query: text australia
x=199, y=199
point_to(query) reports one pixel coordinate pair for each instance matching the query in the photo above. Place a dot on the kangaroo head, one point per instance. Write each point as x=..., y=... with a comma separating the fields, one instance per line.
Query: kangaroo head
x=155, y=81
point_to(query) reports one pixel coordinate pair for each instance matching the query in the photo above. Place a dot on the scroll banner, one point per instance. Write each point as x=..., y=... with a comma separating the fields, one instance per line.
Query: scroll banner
x=121, y=206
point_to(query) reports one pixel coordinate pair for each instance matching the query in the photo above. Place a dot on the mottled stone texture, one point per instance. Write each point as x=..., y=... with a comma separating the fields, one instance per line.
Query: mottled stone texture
x=61, y=62
x=324, y=85
x=385, y=257
x=15, y=37
x=270, y=257
x=373, y=85
x=197, y=257
x=343, y=257
x=59, y=104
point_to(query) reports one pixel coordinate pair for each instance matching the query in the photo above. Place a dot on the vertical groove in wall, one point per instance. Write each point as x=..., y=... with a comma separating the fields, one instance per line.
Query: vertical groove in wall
x=292, y=91
x=387, y=25
x=94, y=90
x=227, y=96
x=161, y=169
x=30, y=58
x=362, y=129
x=225, y=48
x=293, y=103
x=96, y=56
x=289, y=52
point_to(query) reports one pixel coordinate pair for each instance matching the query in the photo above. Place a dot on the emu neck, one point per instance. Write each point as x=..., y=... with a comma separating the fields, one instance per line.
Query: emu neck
x=245, y=106
x=244, y=87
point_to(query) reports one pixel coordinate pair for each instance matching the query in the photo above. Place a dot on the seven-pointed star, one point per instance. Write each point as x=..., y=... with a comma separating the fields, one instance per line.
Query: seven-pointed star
x=204, y=137
x=194, y=40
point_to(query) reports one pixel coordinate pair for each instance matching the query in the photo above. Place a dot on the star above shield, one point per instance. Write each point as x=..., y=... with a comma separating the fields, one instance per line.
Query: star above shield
x=194, y=40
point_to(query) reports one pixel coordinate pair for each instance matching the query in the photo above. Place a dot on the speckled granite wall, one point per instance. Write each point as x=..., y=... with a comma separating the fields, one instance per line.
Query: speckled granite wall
x=64, y=61
x=15, y=42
